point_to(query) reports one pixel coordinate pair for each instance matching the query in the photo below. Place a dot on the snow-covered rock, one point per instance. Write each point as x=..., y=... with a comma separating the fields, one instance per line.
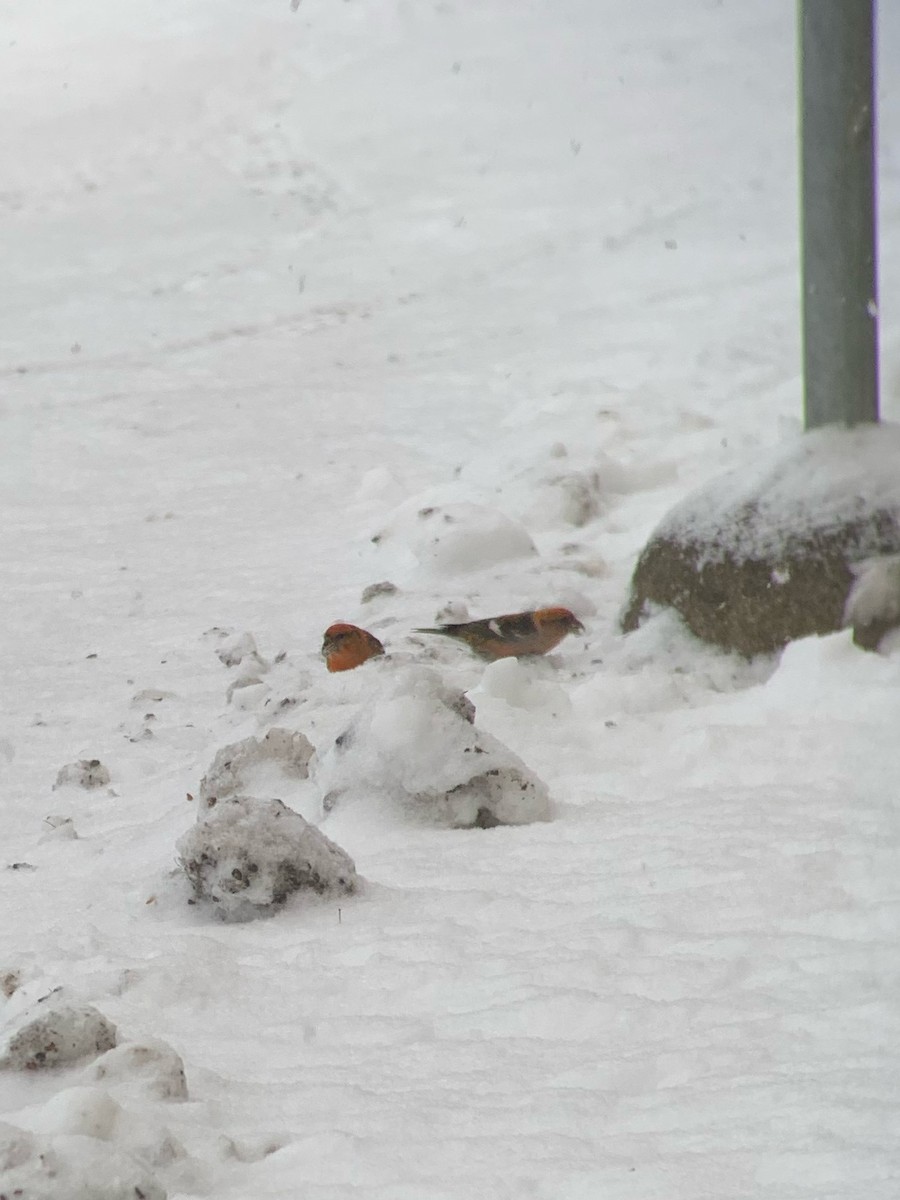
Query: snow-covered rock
x=56, y=1034
x=762, y=555
x=415, y=744
x=246, y=856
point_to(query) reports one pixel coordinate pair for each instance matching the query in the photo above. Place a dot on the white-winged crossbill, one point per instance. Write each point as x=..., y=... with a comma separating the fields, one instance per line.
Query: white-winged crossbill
x=513, y=634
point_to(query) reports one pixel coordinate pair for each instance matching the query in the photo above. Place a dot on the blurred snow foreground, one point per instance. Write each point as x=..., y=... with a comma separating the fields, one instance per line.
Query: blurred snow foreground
x=71, y=1167
x=89, y=1141
x=412, y=749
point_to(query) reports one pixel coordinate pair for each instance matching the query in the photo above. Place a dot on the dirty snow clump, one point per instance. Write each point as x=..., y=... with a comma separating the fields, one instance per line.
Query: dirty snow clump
x=246, y=856
x=55, y=1035
x=416, y=746
x=71, y=1167
x=87, y=773
x=375, y=590
x=247, y=766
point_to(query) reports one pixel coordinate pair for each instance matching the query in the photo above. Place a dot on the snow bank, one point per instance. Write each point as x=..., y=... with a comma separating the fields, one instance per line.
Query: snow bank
x=415, y=744
x=828, y=677
x=246, y=856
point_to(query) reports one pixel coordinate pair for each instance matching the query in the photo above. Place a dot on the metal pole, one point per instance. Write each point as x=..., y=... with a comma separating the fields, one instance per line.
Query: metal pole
x=840, y=316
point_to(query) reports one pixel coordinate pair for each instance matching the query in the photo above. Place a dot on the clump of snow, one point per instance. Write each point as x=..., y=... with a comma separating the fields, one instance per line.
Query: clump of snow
x=243, y=766
x=246, y=690
x=556, y=488
x=527, y=685
x=10, y=981
x=87, y=773
x=15, y=1147
x=875, y=594
x=90, y=1111
x=253, y=1149
x=150, y=1067
x=148, y=697
x=827, y=478
x=63, y=1034
x=247, y=693
x=60, y=828
x=93, y=1112
x=374, y=590
x=454, y=612
x=379, y=483
x=234, y=650
x=71, y=1167
x=415, y=745
x=455, y=538
x=547, y=482
x=247, y=856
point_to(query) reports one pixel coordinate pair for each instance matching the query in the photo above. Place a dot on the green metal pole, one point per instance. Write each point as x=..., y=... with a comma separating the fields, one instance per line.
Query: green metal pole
x=840, y=315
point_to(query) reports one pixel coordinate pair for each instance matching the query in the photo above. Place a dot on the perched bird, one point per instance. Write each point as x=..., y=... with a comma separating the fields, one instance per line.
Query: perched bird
x=347, y=646
x=513, y=634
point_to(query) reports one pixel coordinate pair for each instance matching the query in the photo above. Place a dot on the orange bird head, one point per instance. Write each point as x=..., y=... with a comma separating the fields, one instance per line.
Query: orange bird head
x=562, y=619
x=347, y=646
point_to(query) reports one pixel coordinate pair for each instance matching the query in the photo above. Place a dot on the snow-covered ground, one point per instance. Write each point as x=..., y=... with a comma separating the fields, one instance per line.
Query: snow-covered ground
x=464, y=297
